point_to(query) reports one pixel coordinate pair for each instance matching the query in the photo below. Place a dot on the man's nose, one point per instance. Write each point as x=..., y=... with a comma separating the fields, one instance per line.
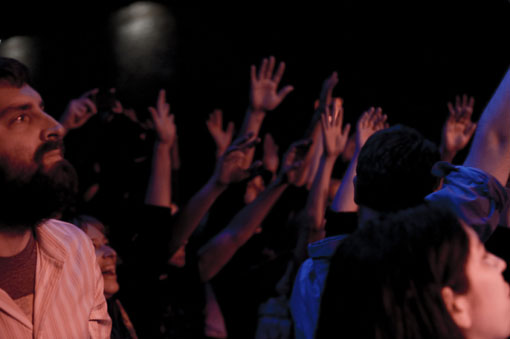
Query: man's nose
x=53, y=130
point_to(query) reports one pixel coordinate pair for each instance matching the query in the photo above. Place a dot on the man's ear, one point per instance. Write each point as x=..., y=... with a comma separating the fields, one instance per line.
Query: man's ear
x=458, y=307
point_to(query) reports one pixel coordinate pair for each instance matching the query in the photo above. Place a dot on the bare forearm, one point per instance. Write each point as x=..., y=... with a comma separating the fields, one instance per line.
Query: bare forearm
x=159, y=187
x=219, y=250
x=316, y=203
x=252, y=124
x=193, y=212
x=344, y=198
x=316, y=151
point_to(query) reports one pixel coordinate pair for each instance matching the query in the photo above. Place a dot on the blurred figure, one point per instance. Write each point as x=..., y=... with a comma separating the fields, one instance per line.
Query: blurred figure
x=107, y=260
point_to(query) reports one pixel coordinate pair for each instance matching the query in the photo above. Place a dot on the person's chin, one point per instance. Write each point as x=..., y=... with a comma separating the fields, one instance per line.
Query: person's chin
x=110, y=288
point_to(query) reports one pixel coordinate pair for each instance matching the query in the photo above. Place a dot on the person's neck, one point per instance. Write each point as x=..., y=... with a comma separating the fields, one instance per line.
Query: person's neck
x=366, y=214
x=13, y=242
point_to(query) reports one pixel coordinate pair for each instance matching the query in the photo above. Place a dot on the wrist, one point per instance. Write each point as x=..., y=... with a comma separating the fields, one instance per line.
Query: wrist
x=279, y=180
x=330, y=157
x=256, y=111
x=446, y=154
x=162, y=145
x=216, y=184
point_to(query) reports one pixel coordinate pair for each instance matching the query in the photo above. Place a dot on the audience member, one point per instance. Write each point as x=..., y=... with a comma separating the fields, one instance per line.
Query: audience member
x=49, y=279
x=420, y=273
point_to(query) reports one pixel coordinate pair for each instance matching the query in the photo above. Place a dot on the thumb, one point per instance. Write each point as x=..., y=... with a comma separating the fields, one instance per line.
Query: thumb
x=285, y=91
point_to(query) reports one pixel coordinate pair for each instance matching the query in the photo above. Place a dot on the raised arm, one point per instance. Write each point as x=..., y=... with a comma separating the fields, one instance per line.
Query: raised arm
x=220, y=249
x=270, y=162
x=334, y=140
x=458, y=127
x=270, y=159
x=370, y=122
x=229, y=169
x=490, y=150
x=159, y=190
x=264, y=97
x=314, y=130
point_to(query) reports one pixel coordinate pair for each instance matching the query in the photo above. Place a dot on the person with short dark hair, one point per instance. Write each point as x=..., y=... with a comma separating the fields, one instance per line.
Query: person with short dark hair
x=419, y=273
x=394, y=169
x=50, y=284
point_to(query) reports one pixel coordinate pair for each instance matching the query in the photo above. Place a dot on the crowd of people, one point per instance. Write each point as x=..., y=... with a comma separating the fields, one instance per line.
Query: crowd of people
x=404, y=244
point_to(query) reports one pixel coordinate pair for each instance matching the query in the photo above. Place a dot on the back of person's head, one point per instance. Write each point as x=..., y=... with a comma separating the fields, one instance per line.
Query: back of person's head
x=385, y=280
x=13, y=73
x=394, y=170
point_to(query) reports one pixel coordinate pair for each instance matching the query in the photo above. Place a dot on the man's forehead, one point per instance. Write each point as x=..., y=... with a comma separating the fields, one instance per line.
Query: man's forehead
x=10, y=95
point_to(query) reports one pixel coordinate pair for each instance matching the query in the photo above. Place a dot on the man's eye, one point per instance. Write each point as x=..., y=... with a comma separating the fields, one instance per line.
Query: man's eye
x=21, y=118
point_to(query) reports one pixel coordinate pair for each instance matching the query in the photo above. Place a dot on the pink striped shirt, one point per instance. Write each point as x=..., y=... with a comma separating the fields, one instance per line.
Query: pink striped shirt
x=69, y=300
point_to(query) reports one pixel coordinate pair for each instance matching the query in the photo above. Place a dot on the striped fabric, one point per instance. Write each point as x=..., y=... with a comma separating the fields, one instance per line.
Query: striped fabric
x=69, y=300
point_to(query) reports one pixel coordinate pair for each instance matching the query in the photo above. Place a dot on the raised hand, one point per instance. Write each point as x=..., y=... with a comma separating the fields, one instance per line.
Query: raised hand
x=163, y=120
x=79, y=110
x=326, y=96
x=458, y=128
x=221, y=137
x=333, y=135
x=370, y=122
x=230, y=167
x=270, y=158
x=293, y=160
x=264, y=84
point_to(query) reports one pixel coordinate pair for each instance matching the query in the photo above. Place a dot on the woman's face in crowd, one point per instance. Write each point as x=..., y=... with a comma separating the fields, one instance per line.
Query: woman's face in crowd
x=488, y=296
x=106, y=258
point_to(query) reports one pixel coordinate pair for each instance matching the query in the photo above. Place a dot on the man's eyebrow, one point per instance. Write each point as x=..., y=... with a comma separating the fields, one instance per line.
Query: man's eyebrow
x=20, y=107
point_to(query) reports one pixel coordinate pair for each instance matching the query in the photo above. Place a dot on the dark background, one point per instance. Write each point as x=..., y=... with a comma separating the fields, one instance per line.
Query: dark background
x=408, y=57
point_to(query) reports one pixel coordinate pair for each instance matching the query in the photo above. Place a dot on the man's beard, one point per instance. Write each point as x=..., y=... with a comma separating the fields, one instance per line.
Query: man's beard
x=26, y=200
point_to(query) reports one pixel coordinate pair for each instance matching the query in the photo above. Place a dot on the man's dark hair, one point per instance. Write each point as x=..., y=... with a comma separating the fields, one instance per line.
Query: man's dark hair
x=385, y=280
x=394, y=169
x=13, y=73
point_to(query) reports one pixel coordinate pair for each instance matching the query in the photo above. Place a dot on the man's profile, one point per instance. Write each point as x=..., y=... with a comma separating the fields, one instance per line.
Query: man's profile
x=50, y=285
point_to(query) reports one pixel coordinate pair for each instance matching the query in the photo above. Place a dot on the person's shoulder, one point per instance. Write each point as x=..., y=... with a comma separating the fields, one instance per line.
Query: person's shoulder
x=63, y=229
x=67, y=235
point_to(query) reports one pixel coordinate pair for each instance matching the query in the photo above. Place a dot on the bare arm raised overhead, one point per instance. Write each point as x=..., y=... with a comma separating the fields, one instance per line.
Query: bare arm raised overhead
x=334, y=139
x=264, y=97
x=220, y=249
x=159, y=190
x=490, y=150
x=229, y=169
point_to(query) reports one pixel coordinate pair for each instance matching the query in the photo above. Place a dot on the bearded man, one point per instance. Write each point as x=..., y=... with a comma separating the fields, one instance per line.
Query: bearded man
x=50, y=284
